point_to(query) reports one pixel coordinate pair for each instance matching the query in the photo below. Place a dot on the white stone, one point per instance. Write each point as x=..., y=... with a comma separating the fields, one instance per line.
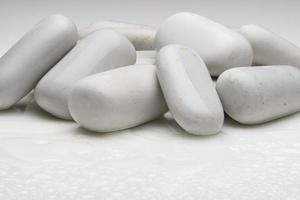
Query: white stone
x=189, y=90
x=142, y=37
x=146, y=57
x=269, y=48
x=83, y=32
x=100, y=51
x=33, y=55
x=105, y=24
x=253, y=95
x=117, y=99
x=219, y=47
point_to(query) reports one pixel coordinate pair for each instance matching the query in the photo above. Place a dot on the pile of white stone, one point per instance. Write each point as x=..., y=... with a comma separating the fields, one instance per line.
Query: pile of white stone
x=92, y=76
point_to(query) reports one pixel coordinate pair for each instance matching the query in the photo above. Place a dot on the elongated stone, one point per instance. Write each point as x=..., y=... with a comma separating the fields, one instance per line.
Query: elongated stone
x=22, y=66
x=253, y=95
x=142, y=37
x=117, y=99
x=189, y=90
x=220, y=47
x=99, y=52
x=269, y=48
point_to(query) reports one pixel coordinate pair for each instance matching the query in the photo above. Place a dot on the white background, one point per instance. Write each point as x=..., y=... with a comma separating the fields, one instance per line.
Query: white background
x=45, y=158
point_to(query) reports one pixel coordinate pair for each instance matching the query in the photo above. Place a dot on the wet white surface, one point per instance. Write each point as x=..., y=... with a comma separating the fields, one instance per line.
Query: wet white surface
x=46, y=158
